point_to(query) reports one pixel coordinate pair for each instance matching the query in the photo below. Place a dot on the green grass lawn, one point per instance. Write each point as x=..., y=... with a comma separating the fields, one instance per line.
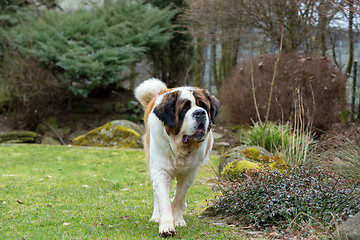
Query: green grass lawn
x=61, y=192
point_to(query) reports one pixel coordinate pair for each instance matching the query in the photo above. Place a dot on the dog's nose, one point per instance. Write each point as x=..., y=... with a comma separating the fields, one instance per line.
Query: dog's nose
x=199, y=113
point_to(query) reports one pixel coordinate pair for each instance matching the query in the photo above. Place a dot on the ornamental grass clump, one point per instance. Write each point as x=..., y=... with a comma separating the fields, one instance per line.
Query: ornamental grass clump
x=293, y=144
x=270, y=198
x=349, y=156
x=271, y=137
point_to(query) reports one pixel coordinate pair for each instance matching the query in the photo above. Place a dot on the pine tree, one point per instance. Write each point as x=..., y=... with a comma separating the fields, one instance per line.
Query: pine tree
x=90, y=48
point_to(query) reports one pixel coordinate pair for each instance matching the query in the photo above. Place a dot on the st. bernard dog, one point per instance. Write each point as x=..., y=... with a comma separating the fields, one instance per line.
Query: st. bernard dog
x=178, y=140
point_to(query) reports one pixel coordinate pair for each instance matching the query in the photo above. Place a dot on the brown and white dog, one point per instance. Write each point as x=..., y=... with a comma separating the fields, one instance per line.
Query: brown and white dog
x=178, y=140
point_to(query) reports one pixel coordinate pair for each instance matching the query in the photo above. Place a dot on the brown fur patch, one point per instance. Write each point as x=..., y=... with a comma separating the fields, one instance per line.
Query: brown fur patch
x=202, y=100
x=208, y=147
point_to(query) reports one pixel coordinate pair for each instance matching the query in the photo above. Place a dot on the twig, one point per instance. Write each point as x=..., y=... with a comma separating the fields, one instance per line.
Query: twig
x=56, y=133
x=275, y=68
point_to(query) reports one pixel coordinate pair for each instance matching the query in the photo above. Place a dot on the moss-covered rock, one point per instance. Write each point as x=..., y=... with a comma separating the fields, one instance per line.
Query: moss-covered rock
x=140, y=129
x=233, y=170
x=49, y=141
x=18, y=137
x=110, y=135
x=251, y=154
x=254, y=154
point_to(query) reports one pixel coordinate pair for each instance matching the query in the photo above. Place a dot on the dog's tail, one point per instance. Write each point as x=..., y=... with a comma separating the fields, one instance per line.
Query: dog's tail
x=148, y=89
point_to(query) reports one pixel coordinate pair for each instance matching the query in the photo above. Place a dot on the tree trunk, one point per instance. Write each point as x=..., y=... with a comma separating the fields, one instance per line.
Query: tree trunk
x=351, y=37
x=217, y=80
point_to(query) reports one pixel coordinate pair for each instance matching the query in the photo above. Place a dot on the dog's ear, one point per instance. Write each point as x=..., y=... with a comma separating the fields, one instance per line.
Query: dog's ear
x=165, y=111
x=214, y=106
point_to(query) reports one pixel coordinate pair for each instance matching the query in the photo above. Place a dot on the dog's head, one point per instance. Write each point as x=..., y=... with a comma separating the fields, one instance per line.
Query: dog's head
x=187, y=112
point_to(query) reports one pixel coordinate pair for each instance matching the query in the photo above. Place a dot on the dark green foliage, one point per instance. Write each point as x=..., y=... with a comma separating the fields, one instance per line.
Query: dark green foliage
x=13, y=12
x=135, y=109
x=270, y=198
x=90, y=48
x=172, y=62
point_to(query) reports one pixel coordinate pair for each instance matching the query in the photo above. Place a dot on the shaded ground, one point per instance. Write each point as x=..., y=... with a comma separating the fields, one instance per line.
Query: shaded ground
x=4, y=124
x=87, y=114
x=340, y=131
x=84, y=114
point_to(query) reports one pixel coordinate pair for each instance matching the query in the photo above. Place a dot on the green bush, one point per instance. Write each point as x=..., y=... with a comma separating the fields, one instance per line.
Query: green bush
x=297, y=147
x=90, y=48
x=273, y=137
x=13, y=12
x=273, y=199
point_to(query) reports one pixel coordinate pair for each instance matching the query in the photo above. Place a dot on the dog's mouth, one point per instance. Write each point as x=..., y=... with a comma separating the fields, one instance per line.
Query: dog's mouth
x=197, y=136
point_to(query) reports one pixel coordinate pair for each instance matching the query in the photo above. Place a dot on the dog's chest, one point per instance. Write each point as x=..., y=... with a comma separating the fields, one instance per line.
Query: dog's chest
x=187, y=162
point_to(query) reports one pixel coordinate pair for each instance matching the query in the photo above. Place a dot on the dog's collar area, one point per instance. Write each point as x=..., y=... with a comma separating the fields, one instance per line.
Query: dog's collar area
x=173, y=153
x=171, y=149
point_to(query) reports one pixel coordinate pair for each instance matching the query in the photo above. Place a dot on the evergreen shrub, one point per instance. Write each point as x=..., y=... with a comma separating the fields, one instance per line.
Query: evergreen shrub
x=89, y=48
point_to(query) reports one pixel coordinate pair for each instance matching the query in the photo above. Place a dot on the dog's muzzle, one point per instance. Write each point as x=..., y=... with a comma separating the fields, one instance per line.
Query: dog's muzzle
x=200, y=120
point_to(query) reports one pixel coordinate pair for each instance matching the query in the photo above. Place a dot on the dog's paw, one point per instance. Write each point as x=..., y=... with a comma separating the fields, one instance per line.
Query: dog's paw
x=180, y=223
x=166, y=230
x=154, y=219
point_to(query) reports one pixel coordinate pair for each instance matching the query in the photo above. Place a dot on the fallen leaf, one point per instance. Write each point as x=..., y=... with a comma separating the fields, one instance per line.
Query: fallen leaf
x=66, y=224
x=273, y=234
x=19, y=202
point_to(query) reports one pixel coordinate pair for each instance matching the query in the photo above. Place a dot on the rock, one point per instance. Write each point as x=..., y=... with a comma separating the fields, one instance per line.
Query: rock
x=217, y=136
x=233, y=169
x=18, y=137
x=350, y=229
x=63, y=132
x=140, y=129
x=110, y=135
x=220, y=147
x=237, y=153
x=50, y=141
x=76, y=134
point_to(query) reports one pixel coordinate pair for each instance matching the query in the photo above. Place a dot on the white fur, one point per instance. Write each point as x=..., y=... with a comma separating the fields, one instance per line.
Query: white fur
x=168, y=160
x=148, y=89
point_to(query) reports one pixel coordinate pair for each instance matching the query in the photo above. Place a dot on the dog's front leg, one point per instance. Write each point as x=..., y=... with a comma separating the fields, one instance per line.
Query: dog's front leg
x=184, y=182
x=162, y=184
x=156, y=212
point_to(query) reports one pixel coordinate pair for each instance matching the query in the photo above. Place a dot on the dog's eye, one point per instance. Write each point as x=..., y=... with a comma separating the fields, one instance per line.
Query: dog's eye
x=203, y=105
x=186, y=107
